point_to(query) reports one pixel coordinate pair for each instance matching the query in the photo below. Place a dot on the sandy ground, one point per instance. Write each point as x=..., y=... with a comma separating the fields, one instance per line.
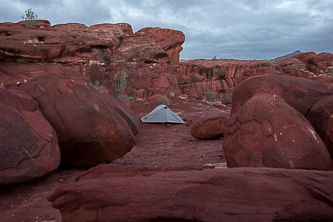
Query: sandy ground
x=157, y=145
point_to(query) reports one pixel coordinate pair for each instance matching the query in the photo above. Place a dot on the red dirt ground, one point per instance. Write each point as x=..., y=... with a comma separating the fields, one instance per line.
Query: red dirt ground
x=157, y=145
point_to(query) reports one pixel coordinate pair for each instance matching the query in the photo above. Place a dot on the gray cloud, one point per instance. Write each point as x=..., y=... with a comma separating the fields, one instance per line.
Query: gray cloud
x=243, y=29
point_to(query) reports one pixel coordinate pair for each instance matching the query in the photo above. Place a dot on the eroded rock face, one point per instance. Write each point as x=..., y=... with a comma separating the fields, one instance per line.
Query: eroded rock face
x=248, y=194
x=170, y=40
x=89, y=129
x=300, y=93
x=267, y=132
x=66, y=43
x=140, y=47
x=321, y=118
x=28, y=144
x=211, y=127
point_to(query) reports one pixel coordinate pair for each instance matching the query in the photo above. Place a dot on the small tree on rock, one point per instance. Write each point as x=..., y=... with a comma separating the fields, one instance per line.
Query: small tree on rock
x=30, y=18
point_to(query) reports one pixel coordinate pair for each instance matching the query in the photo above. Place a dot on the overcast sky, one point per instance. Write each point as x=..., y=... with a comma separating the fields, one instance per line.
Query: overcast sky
x=238, y=29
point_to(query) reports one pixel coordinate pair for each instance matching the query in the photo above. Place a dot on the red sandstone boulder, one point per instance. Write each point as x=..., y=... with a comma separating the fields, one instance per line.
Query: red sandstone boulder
x=66, y=43
x=170, y=40
x=211, y=127
x=267, y=132
x=107, y=193
x=300, y=93
x=140, y=47
x=126, y=113
x=28, y=144
x=89, y=129
x=321, y=118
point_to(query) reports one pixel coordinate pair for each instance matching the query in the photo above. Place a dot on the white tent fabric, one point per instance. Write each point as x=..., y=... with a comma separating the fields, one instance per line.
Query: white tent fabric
x=162, y=114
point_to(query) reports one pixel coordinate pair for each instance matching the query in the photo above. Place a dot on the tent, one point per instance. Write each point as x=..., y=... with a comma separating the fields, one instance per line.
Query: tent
x=162, y=114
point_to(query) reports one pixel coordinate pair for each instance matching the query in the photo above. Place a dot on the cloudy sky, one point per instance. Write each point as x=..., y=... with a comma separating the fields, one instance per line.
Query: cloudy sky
x=239, y=29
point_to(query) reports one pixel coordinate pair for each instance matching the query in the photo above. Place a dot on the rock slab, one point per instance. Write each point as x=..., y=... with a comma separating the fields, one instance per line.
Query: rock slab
x=238, y=194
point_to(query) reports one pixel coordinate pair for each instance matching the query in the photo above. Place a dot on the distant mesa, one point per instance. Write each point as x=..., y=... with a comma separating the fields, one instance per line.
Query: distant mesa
x=287, y=56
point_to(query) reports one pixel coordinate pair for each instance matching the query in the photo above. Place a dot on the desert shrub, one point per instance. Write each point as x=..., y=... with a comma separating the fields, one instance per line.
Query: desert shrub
x=210, y=97
x=96, y=85
x=121, y=82
x=214, y=58
x=30, y=18
x=163, y=100
x=268, y=63
x=126, y=98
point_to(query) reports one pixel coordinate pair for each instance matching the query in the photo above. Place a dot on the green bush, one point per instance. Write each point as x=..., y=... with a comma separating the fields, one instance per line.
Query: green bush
x=268, y=63
x=96, y=85
x=120, y=82
x=30, y=18
x=210, y=97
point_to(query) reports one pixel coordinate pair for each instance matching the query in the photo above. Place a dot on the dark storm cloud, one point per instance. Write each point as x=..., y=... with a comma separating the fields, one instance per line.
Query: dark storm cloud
x=242, y=29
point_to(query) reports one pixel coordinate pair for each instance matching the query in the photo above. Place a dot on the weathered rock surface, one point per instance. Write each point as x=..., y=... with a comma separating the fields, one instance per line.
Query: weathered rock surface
x=299, y=93
x=321, y=118
x=140, y=47
x=242, y=194
x=211, y=127
x=170, y=40
x=127, y=114
x=28, y=144
x=66, y=43
x=267, y=132
x=143, y=80
x=90, y=130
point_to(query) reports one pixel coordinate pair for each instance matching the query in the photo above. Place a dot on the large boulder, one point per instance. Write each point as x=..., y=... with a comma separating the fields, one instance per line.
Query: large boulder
x=28, y=144
x=126, y=113
x=89, y=129
x=321, y=118
x=299, y=93
x=65, y=43
x=107, y=193
x=170, y=40
x=267, y=132
x=211, y=127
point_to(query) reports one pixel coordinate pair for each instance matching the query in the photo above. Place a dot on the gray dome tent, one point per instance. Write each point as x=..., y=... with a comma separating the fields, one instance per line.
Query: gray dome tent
x=162, y=114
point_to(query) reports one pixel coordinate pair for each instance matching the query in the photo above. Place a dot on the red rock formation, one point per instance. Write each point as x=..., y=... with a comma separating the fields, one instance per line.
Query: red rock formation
x=300, y=93
x=211, y=127
x=90, y=130
x=68, y=43
x=127, y=114
x=115, y=193
x=143, y=80
x=266, y=132
x=321, y=118
x=140, y=47
x=28, y=143
x=170, y=40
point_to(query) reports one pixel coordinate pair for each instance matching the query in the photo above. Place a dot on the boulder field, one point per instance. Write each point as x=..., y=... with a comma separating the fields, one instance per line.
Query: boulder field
x=268, y=121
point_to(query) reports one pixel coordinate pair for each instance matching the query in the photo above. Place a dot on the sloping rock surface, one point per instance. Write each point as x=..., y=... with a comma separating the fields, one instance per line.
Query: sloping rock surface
x=267, y=132
x=89, y=129
x=28, y=144
x=321, y=118
x=299, y=93
x=106, y=193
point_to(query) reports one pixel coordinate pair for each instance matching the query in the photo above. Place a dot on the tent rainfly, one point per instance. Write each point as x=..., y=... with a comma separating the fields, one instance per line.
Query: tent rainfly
x=162, y=114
